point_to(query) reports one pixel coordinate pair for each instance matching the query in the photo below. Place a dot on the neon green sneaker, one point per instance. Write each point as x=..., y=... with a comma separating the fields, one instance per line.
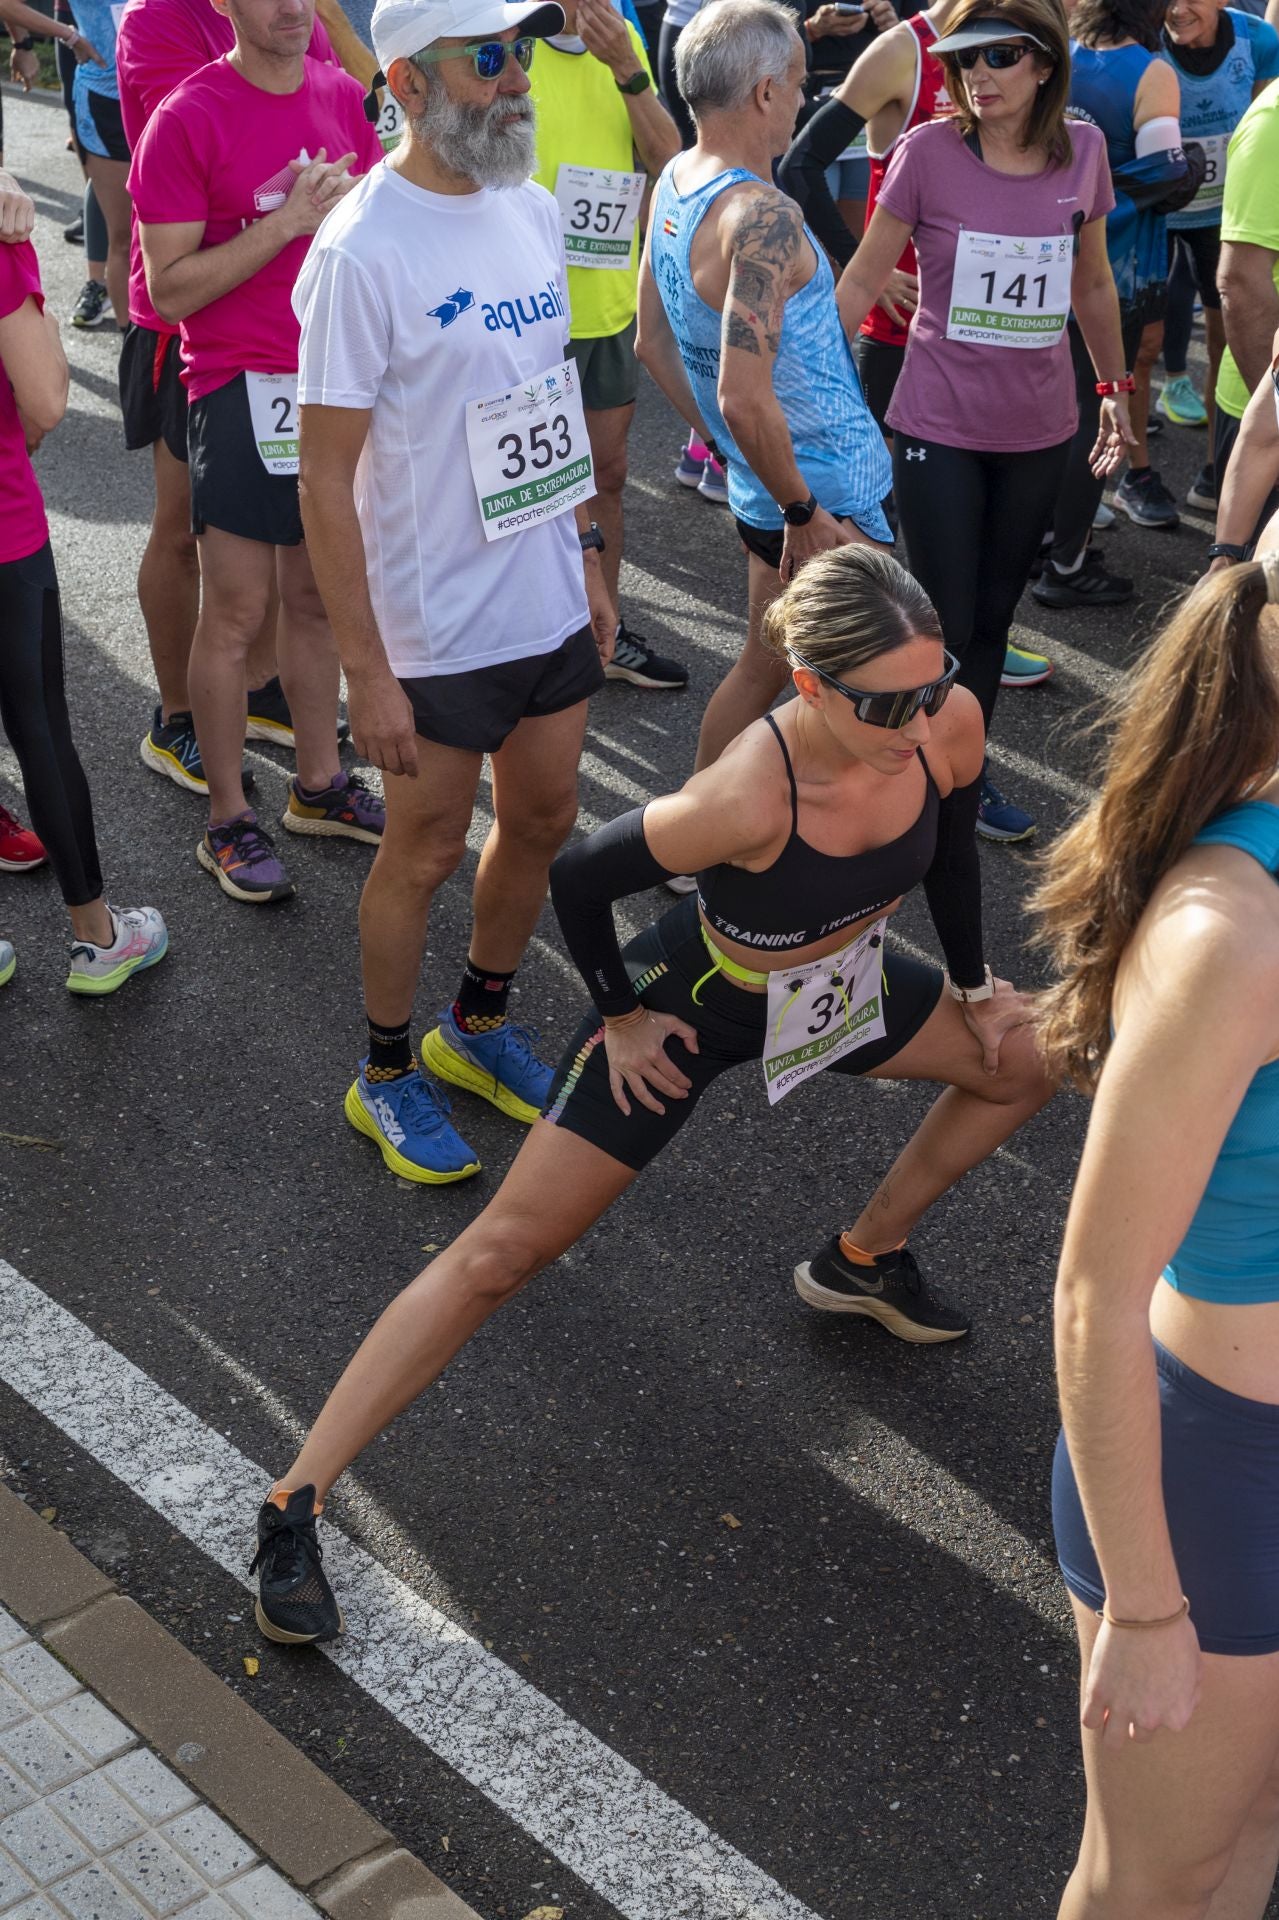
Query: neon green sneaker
x=1022, y=669
x=1180, y=403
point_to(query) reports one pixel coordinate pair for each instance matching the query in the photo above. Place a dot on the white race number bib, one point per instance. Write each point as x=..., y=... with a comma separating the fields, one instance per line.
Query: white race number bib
x=1214, y=180
x=598, y=211
x=530, y=457
x=1010, y=292
x=273, y=408
x=390, y=121
x=818, y=1013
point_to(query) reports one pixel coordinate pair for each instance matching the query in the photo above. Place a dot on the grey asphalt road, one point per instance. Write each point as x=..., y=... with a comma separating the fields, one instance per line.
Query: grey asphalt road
x=868, y=1686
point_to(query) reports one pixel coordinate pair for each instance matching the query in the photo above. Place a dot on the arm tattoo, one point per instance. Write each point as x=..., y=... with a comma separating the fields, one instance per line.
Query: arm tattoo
x=765, y=248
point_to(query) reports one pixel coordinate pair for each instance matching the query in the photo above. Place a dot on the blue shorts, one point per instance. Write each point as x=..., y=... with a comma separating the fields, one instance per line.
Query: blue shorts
x=99, y=125
x=1221, y=1492
x=849, y=179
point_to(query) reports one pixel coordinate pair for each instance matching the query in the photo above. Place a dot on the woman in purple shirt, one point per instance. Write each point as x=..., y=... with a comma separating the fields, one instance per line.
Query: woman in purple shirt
x=985, y=407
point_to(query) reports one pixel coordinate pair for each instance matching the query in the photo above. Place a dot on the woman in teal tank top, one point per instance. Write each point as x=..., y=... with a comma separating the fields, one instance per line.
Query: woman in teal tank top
x=1161, y=906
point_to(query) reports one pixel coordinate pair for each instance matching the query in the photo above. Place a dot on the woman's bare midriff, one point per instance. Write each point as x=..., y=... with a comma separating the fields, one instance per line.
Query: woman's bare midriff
x=1235, y=1347
x=764, y=961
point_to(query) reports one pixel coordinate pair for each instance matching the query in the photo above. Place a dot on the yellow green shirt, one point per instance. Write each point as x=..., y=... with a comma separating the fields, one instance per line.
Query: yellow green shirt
x=1250, y=212
x=582, y=121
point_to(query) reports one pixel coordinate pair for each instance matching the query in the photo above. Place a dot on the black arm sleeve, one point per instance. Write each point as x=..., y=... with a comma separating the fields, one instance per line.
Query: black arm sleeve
x=802, y=174
x=585, y=880
x=952, y=886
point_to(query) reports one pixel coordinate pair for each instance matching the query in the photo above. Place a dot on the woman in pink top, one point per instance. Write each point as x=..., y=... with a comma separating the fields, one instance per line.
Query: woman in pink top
x=984, y=409
x=108, y=943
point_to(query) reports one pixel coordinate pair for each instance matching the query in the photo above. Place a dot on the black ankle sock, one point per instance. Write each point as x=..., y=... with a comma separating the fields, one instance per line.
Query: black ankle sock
x=480, y=1006
x=390, y=1054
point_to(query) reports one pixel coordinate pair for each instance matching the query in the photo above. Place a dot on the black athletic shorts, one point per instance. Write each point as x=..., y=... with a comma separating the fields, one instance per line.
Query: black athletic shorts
x=766, y=542
x=100, y=126
x=665, y=963
x=230, y=488
x=879, y=362
x=476, y=710
x=1202, y=248
x=152, y=397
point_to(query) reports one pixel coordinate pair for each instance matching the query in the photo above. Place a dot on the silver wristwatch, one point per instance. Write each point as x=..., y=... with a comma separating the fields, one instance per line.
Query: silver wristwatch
x=986, y=991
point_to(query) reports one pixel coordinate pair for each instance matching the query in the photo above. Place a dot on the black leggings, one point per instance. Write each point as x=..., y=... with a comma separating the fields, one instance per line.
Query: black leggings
x=33, y=713
x=1081, y=490
x=672, y=99
x=972, y=523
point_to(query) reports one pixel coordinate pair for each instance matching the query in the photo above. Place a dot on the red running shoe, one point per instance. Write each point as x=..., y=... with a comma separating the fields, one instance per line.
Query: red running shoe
x=20, y=851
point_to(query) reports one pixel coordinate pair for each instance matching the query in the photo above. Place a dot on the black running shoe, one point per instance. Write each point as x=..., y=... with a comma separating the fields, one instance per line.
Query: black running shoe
x=1089, y=586
x=269, y=717
x=892, y=1292
x=295, y=1602
x=635, y=661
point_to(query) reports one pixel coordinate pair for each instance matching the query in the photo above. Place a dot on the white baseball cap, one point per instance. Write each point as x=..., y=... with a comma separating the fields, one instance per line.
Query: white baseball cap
x=401, y=28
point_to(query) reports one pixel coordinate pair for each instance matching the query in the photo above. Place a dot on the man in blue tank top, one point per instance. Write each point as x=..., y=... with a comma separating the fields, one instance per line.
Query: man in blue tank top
x=738, y=325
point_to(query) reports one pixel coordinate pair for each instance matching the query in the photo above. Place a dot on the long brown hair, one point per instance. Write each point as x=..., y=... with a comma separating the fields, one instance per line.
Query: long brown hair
x=1046, y=20
x=1195, y=728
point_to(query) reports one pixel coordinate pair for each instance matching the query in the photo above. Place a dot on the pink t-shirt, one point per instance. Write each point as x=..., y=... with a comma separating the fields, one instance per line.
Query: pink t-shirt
x=23, y=526
x=159, y=43
x=218, y=150
x=963, y=394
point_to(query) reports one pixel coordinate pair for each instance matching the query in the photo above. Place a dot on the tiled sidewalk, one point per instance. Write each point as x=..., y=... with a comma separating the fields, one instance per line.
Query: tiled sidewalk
x=94, y=1827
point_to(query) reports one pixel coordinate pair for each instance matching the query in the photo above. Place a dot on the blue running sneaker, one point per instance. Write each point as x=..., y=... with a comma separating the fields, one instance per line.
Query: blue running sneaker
x=997, y=817
x=1023, y=669
x=500, y=1066
x=409, y=1120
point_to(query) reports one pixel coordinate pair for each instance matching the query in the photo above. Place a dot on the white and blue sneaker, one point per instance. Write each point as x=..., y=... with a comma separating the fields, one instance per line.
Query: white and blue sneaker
x=500, y=1066
x=408, y=1119
x=997, y=817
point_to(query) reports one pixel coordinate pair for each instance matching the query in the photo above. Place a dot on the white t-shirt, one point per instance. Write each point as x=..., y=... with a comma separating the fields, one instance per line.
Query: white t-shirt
x=412, y=303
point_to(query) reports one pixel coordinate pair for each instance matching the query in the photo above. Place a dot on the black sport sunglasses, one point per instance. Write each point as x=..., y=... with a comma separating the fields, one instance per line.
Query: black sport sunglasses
x=891, y=709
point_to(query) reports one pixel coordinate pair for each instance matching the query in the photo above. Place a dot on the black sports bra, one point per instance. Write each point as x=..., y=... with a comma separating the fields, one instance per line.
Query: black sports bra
x=806, y=895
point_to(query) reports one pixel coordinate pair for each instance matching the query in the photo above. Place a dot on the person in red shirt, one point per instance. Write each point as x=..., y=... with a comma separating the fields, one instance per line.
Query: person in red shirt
x=230, y=180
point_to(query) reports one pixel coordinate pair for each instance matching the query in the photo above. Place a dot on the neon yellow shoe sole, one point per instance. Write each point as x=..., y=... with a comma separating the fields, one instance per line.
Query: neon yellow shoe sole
x=439, y=1058
x=363, y=1122
x=7, y=969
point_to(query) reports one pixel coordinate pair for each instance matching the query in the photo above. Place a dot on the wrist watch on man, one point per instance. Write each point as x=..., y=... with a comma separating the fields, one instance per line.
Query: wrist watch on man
x=1225, y=550
x=592, y=541
x=800, y=512
x=967, y=995
x=639, y=82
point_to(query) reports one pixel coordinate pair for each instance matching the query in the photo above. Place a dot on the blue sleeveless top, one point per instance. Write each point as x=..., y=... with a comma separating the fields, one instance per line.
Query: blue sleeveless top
x=1231, y=1249
x=1103, y=89
x=838, y=448
x=1213, y=104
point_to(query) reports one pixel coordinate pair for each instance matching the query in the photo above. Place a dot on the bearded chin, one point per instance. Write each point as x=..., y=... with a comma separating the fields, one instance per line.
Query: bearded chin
x=477, y=142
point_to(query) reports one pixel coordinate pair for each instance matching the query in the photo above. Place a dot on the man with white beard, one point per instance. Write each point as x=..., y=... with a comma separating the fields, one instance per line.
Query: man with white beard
x=445, y=468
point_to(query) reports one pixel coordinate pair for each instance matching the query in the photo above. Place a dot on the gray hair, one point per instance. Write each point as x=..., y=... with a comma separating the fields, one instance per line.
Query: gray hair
x=728, y=48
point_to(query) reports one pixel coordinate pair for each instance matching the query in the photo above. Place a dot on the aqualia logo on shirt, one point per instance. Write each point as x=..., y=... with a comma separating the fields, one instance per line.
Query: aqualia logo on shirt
x=503, y=316
x=448, y=310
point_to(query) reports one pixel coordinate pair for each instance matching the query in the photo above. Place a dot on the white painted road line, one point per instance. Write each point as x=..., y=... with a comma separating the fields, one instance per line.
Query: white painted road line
x=621, y=1835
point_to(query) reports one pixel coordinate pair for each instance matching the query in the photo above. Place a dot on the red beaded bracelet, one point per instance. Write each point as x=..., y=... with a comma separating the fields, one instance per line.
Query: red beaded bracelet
x=1108, y=387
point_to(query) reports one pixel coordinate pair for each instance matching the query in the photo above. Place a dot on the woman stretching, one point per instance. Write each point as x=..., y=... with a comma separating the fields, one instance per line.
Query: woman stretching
x=805, y=835
x=1162, y=909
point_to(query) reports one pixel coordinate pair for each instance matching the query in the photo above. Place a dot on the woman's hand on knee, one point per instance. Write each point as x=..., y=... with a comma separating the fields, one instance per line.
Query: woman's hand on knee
x=1142, y=1681
x=638, y=1060
x=989, y=1020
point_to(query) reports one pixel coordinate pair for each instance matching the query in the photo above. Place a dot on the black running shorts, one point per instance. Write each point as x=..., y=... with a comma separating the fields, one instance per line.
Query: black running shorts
x=230, y=488
x=152, y=397
x=476, y=710
x=766, y=542
x=665, y=963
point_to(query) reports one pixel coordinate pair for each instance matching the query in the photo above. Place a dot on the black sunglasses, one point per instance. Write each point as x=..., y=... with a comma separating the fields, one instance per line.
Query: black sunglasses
x=1002, y=54
x=892, y=709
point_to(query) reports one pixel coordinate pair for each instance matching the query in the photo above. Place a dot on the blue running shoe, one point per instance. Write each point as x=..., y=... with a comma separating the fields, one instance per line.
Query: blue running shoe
x=500, y=1066
x=997, y=817
x=409, y=1120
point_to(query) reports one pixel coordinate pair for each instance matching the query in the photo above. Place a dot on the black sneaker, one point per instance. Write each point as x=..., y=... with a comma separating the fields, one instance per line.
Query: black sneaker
x=269, y=717
x=75, y=232
x=90, y=310
x=892, y=1292
x=1146, y=500
x=1203, y=489
x=171, y=748
x=1089, y=586
x=295, y=1603
x=634, y=660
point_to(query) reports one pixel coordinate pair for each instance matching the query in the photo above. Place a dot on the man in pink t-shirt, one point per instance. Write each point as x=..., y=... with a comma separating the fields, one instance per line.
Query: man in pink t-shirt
x=231, y=180
x=161, y=43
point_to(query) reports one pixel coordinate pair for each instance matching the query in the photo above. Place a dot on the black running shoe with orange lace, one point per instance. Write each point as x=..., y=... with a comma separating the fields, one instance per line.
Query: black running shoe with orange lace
x=891, y=1291
x=295, y=1604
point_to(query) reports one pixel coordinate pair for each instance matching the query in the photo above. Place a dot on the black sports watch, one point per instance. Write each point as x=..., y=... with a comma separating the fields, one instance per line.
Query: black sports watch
x=592, y=541
x=639, y=82
x=800, y=512
x=24, y=45
x=1223, y=550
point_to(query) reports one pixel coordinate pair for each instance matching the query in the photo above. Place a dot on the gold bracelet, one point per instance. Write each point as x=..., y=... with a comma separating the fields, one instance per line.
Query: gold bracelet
x=612, y=1020
x=1167, y=1620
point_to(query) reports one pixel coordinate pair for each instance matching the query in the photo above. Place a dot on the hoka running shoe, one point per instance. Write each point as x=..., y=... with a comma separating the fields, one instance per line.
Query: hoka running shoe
x=347, y=808
x=500, y=1066
x=1180, y=403
x=892, y=1292
x=295, y=1604
x=141, y=938
x=409, y=1120
x=20, y=849
x=1023, y=669
x=241, y=856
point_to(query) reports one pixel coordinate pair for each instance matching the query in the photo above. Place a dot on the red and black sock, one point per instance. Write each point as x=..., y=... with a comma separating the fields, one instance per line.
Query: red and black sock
x=480, y=1006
